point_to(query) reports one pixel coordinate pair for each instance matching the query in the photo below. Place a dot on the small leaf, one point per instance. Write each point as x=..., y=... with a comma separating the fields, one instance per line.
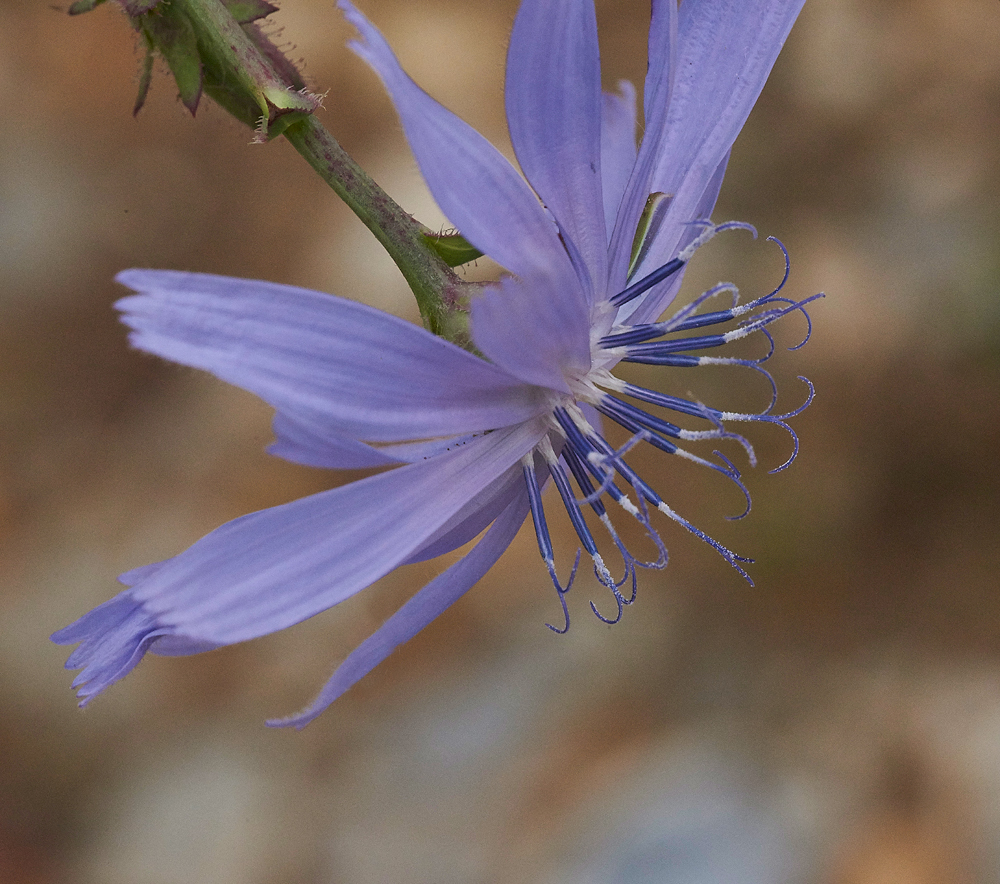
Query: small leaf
x=82, y=6
x=453, y=248
x=178, y=43
x=145, y=78
x=245, y=11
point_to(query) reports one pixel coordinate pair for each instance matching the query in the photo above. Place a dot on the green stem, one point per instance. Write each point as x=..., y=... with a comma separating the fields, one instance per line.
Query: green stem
x=435, y=285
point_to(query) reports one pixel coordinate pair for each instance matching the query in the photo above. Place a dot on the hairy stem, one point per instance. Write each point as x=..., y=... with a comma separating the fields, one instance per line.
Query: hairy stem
x=432, y=281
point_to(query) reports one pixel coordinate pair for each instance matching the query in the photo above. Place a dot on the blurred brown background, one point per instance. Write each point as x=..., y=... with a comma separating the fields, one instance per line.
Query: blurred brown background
x=838, y=724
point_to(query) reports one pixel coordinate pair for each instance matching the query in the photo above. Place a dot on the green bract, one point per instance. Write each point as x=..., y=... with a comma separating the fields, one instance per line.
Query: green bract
x=216, y=46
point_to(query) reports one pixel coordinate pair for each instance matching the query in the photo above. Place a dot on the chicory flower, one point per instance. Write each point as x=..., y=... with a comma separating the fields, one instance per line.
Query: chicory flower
x=594, y=244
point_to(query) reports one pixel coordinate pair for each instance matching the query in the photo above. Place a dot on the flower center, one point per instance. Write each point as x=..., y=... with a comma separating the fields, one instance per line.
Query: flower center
x=586, y=469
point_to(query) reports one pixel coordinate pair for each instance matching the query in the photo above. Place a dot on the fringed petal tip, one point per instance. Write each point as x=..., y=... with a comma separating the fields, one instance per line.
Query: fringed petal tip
x=113, y=638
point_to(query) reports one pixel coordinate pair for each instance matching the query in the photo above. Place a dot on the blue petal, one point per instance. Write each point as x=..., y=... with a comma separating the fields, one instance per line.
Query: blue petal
x=662, y=49
x=271, y=569
x=480, y=191
x=334, y=368
x=318, y=446
x=618, y=149
x=417, y=613
x=116, y=635
x=656, y=102
x=474, y=517
x=726, y=49
x=649, y=307
x=315, y=445
x=534, y=329
x=553, y=97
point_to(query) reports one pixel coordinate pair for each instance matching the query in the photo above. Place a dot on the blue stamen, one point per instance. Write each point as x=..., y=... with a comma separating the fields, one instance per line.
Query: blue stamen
x=579, y=524
x=615, y=409
x=584, y=449
x=537, y=511
x=631, y=563
x=618, y=410
x=703, y=319
x=647, y=282
x=621, y=603
x=788, y=264
x=654, y=535
x=637, y=352
x=649, y=330
x=594, y=463
x=627, y=473
x=758, y=322
x=681, y=360
x=809, y=322
x=675, y=264
x=544, y=539
x=674, y=403
x=573, y=508
x=633, y=419
x=561, y=594
x=595, y=442
x=581, y=449
x=719, y=417
x=583, y=480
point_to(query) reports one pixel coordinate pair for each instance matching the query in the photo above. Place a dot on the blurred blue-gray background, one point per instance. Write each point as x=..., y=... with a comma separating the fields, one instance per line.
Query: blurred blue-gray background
x=839, y=723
